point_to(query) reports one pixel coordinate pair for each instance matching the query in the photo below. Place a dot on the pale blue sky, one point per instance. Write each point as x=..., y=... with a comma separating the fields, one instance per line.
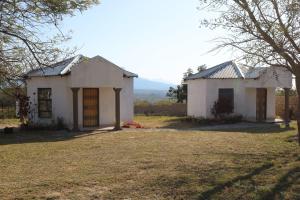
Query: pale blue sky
x=157, y=39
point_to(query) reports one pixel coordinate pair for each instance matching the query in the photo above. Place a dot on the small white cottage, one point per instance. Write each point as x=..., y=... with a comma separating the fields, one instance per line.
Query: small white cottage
x=83, y=92
x=250, y=90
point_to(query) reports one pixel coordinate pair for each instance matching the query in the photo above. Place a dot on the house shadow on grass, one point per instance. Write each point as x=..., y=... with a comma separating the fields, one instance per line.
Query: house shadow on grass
x=186, y=186
x=183, y=187
x=284, y=183
x=209, y=193
x=21, y=137
x=244, y=127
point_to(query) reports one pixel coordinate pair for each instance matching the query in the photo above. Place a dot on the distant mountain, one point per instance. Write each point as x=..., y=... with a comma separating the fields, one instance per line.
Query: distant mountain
x=145, y=84
x=150, y=90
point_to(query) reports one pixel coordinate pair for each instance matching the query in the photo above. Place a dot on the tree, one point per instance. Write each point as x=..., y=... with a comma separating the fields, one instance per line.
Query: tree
x=188, y=73
x=30, y=36
x=267, y=33
x=179, y=94
x=201, y=68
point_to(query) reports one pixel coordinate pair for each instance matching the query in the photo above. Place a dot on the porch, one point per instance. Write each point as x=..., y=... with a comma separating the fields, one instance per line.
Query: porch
x=260, y=104
x=95, y=108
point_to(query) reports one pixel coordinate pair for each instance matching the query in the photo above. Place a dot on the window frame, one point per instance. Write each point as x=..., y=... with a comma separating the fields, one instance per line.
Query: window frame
x=47, y=100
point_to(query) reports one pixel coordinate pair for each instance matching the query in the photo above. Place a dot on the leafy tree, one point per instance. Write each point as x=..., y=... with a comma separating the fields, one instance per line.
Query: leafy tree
x=179, y=94
x=30, y=34
x=188, y=73
x=267, y=32
x=201, y=68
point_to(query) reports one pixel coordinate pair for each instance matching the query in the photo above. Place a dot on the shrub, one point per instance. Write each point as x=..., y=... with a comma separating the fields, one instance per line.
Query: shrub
x=223, y=119
x=222, y=107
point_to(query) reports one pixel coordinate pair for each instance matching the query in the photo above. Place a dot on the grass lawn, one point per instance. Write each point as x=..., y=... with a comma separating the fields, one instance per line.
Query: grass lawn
x=137, y=164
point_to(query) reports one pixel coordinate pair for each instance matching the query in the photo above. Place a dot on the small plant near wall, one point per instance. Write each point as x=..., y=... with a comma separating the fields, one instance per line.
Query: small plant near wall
x=222, y=107
x=23, y=108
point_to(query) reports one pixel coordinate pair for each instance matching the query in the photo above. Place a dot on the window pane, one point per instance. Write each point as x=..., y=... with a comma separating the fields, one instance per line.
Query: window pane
x=44, y=93
x=226, y=96
x=44, y=103
x=45, y=114
x=43, y=106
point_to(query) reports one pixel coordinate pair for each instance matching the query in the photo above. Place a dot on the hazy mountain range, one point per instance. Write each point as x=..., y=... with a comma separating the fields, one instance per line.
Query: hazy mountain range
x=150, y=90
x=146, y=84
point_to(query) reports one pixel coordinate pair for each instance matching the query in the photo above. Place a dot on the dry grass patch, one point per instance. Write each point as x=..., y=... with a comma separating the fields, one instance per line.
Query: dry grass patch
x=9, y=123
x=163, y=122
x=150, y=165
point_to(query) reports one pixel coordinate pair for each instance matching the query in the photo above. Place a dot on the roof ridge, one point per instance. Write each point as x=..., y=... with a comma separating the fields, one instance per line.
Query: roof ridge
x=238, y=69
x=74, y=61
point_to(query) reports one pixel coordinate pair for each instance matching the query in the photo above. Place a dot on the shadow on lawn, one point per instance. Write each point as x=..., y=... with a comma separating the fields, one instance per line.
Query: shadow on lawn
x=284, y=183
x=181, y=187
x=245, y=127
x=45, y=136
x=209, y=193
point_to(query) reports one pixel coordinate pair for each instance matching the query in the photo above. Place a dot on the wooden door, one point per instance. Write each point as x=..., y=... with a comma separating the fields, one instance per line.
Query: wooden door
x=261, y=104
x=90, y=107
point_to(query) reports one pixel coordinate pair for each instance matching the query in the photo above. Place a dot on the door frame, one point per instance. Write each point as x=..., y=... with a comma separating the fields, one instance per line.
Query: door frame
x=98, y=109
x=260, y=117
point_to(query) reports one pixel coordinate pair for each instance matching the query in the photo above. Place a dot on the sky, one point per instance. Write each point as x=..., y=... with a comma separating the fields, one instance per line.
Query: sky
x=158, y=40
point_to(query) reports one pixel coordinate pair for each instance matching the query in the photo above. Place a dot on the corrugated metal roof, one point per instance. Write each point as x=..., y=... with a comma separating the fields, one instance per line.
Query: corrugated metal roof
x=64, y=67
x=254, y=73
x=228, y=70
x=53, y=70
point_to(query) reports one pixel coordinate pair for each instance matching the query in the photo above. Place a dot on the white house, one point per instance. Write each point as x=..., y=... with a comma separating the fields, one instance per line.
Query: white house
x=84, y=92
x=251, y=90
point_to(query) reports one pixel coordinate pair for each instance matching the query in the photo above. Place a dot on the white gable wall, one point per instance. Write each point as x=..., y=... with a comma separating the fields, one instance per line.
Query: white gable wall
x=96, y=72
x=272, y=78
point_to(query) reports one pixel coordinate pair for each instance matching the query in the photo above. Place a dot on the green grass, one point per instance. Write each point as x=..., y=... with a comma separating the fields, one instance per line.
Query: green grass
x=137, y=164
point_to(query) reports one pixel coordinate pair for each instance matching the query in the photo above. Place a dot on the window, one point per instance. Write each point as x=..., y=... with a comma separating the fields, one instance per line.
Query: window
x=44, y=102
x=227, y=96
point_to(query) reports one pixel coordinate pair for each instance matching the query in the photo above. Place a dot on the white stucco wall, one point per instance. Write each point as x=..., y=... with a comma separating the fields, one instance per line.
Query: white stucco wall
x=213, y=86
x=272, y=78
x=250, y=104
x=61, y=98
x=127, y=100
x=271, y=106
x=196, y=100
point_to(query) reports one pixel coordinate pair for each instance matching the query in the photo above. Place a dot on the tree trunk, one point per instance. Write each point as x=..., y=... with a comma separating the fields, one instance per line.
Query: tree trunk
x=298, y=106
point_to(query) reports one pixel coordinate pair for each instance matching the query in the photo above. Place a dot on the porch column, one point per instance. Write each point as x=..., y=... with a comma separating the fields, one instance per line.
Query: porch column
x=287, y=107
x=75, y=108
x=117, y=109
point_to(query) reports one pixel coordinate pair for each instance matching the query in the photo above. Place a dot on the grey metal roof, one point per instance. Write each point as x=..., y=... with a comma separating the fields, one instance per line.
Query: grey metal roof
x=64, y=68
x=55, y=69
x=228, y=70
